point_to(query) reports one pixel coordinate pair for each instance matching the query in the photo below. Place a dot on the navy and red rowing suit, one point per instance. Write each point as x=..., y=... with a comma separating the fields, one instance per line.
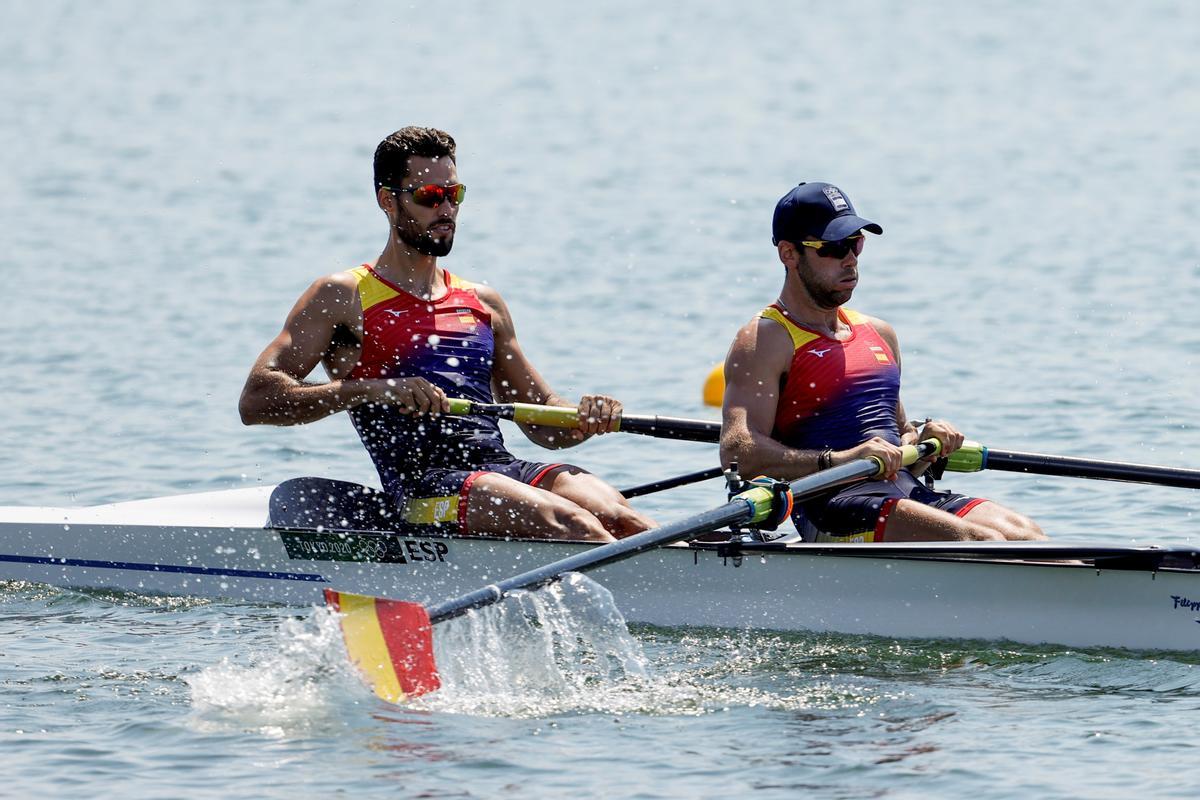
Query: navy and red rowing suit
x=427, y=464
x=838, y=394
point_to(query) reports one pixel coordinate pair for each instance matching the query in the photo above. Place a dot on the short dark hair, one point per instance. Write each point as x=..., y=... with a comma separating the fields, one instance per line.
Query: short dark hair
x=391, y=156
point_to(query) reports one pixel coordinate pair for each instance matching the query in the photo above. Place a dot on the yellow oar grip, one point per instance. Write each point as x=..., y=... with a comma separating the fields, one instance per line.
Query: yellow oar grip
x=910, y=454
x=553, y=416
x=459, y=406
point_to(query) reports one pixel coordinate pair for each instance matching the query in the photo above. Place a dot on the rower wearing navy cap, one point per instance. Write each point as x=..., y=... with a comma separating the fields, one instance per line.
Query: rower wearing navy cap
x=811, y=384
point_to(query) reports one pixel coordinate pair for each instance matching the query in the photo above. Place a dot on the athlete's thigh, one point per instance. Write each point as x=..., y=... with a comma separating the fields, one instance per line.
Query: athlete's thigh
x=913, y=521
x=499, y=505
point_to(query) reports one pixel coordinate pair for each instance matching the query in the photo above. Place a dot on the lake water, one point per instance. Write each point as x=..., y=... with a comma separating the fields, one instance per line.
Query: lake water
x=172, y=176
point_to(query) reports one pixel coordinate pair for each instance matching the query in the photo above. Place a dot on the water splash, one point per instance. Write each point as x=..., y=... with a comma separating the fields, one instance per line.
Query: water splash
x=298, y=682
x=561, y=648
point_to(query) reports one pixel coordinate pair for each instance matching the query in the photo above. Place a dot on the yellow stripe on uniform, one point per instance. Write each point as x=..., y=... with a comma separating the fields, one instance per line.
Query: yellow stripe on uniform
x=371, y=290
x=800, y=337
x=461, y=283
x=854, y=317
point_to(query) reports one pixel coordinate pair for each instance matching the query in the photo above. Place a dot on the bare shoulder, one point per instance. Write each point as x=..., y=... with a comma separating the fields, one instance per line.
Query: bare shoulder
x=495, y=305
x=762, y=346
x=337, y=287
x=335, y=295
x=489, y=296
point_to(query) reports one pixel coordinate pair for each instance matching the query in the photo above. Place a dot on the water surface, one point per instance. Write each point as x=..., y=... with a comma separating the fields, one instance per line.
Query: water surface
x=173, y=176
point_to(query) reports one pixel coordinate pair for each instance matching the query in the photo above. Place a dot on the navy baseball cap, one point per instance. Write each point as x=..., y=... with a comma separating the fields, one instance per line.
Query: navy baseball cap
x=816, y=209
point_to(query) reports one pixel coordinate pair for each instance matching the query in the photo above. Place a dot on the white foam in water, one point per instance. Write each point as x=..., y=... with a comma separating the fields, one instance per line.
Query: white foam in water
x=561, y=649
x=297, y=681
x=564, y=647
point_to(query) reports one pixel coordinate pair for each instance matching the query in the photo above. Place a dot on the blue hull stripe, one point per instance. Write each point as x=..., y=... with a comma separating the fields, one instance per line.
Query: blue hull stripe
x=130, y=565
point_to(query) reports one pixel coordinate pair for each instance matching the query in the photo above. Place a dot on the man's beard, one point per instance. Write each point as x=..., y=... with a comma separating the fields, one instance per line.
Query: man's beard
x=824, y=297
x=422, y=241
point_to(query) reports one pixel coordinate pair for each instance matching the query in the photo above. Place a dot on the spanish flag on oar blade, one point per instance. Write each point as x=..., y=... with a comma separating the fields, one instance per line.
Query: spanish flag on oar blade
x=390, y=642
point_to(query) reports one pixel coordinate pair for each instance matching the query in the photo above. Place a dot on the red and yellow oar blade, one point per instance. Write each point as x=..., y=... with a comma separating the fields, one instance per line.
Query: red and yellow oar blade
x=391, y=643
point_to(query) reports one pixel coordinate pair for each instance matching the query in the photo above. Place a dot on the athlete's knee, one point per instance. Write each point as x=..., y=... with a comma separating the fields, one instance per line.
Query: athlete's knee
x=1013, y=526
x=1019, y=527
x=568, y=520
x=603, y=501
x=621, y=519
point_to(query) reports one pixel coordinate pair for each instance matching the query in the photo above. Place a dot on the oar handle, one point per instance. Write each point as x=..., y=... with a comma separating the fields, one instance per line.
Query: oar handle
x=523, y=413
x=694, y=430
x=824, y=480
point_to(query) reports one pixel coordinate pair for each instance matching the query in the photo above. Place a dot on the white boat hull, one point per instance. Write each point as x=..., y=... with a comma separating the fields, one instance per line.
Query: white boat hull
x=218, y=545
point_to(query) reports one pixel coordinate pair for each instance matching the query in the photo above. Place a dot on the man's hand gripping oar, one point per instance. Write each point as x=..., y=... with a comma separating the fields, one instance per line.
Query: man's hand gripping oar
x=391, y=641
x=568, y=417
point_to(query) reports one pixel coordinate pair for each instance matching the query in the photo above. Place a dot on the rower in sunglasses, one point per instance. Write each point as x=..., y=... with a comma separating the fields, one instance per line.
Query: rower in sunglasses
x=811, y=384
x=397, y=336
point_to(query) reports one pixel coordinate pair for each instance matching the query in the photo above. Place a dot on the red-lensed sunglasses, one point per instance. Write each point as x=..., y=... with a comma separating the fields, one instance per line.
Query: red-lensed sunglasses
x=839, y=249
x=431, y=195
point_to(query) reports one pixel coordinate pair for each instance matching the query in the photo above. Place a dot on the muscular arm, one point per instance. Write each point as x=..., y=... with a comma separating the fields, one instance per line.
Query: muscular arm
x=276, y=392
x=757, y=361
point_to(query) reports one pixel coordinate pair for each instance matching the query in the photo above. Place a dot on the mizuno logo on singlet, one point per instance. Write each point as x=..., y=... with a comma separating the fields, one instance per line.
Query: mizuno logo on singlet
x=395, y=312
x=820, y=353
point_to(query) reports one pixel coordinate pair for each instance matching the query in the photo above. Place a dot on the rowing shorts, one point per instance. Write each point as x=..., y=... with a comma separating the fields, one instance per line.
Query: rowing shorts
x=436, y=501
x=859, y=513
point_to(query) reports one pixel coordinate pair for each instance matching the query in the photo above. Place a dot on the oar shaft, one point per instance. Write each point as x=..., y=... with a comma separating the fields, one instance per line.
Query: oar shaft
x=732, y=513
x=670, y=483
x=751, y=505
x=691, y=430
x=1009, y=461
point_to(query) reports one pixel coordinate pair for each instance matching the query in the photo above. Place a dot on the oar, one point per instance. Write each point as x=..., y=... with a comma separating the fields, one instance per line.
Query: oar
x=973, y=457
x=670, y=483
x=693, y=430
x=392, y=641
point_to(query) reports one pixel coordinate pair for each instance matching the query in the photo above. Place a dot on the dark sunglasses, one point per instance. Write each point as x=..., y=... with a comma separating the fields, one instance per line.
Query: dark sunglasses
x=432, y=195
x=839, y=249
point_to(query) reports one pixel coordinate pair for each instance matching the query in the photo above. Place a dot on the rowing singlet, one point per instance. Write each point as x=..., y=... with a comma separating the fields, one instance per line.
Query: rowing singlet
x=448, y=342
x=836, y=394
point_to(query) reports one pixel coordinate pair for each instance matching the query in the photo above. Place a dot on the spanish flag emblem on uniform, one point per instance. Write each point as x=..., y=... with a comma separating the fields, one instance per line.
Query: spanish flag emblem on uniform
x=880, y=355
x=391, y=643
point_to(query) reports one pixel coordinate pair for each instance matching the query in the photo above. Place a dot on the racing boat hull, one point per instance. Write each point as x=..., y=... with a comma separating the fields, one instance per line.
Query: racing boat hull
x=230, y=544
